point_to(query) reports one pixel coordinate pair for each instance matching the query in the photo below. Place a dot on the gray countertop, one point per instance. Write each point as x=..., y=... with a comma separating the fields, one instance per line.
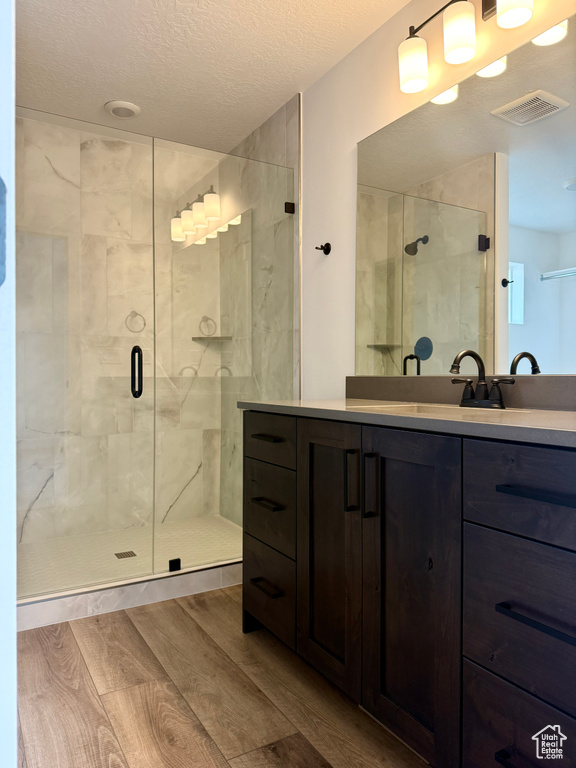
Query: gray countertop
x=555, y=428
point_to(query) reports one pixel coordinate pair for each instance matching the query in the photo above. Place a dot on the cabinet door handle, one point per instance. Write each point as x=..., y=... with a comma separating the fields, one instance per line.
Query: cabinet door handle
x=537, y=494
x=269, y=589
x=370, y=485
x=136, y=372
x=268, y=438
x=351, y=481
x=502, y=757
x=506, y=610
x=271, y=506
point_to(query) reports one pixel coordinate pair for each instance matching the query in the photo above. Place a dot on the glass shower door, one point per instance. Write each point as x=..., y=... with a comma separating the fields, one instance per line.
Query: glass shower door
x=444, y=308
x=85, y=345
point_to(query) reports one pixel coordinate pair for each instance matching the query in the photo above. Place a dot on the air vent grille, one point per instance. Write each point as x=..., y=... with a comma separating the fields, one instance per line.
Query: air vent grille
x=123, y=555
x=530, y=108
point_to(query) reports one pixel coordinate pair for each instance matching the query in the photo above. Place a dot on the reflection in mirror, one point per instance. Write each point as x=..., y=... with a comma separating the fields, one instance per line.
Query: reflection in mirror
x=432, y=184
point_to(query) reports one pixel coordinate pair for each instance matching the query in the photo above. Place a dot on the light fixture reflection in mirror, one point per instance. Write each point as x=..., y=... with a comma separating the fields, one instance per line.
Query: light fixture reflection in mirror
x=553, y=35
x=513, y=13
x=447, y=97
x=496, y=68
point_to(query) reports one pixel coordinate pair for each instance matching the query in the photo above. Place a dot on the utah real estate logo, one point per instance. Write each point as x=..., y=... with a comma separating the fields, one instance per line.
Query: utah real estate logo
x=549, y=743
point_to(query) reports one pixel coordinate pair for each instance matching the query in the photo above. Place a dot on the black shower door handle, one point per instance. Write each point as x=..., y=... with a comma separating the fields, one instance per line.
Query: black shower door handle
x=136, y=371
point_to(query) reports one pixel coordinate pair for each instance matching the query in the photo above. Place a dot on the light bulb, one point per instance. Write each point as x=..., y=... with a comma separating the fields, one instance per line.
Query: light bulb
x=223, y=228
x=236, y=221
x=413, y=64
x=513, y=13
x=202, y=241
x=447, y=97
x=459, y=23
x=187, y=217
x=212, y=206
x=199, y=216
x=494, y=69
x=552, y=35
x=212, y=235
x=176, y=230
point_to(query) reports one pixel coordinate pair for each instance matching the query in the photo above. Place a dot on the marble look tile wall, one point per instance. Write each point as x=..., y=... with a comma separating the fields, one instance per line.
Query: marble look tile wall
x=84, y=298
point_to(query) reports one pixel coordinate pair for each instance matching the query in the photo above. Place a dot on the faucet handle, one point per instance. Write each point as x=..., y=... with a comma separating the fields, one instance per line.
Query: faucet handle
x=496, y=393
x=468, y=393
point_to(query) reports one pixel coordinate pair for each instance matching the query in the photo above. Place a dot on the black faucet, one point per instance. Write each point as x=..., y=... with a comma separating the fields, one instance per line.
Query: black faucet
x=481, y=398
x=521, y=356
x=405, y=364
x=481, y=386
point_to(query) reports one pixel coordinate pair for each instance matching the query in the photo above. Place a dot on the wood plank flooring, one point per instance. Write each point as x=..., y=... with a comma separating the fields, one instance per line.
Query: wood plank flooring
x=177, y=684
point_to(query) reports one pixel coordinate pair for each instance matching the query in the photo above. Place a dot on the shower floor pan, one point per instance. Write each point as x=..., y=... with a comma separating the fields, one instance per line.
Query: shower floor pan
x=59, y=565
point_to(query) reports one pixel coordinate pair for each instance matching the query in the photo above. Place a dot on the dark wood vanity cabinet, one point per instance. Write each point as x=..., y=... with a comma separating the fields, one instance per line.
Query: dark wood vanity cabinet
x=329, y=551
x=411, y=588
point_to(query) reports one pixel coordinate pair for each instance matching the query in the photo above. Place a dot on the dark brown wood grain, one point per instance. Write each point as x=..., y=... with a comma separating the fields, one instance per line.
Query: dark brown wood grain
x=157, y=729
x=63, y=721
x=329, y=551
x=500, y=716
x=115, y=652
x=524, y=467
x=539, y=582
x=265, y=486
x=411, y=589
x=268, y=425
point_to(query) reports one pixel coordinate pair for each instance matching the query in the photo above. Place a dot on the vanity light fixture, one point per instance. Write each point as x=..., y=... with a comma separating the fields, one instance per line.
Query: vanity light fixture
x=447, y=97
x=236, y=221
x=176, y=229
x=187, y=217
x=202, y=241
x=212, y=205
x=413, y=64
x=223, y=228
x=553, y=35
x=513, y=13
x=496, y=68
x=212, y=235
x=199, y=214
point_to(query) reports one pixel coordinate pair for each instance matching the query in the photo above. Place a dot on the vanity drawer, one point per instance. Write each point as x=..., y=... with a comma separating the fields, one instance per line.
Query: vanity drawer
x=519, y=612
x=500, y=718
x=269, y=589
x=522, y=489
x=270, y=505
x=270, y=438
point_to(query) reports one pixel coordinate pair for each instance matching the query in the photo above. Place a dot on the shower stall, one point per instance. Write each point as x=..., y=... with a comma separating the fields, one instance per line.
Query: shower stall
x=422, y=284
x=134, y=346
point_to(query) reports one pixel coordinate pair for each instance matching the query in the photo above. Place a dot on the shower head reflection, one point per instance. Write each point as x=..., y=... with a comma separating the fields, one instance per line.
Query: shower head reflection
x=412, y=248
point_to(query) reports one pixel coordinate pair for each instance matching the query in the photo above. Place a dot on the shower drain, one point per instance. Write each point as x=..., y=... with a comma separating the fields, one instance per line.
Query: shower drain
x=122, y=555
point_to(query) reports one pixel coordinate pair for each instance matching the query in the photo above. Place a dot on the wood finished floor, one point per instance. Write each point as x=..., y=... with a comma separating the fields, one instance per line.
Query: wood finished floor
x=177, y=685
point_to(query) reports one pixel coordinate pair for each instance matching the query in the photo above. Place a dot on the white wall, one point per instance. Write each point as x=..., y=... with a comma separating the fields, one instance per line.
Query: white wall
x=7, y=405
x=567, y=289
x=358, y=96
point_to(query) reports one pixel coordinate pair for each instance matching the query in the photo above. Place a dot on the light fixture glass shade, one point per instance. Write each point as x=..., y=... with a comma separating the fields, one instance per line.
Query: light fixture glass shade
x=199, y=216
x=212, y=235
x=459, y=22
x=552, y=35
x=176, y=230
x=212, y=206
x=413, y=64
x=447, y=97
x=494, y=69
x=202, y=241
x=236, y=221
x=187, y=217
x=513, y=13
x=223, y=228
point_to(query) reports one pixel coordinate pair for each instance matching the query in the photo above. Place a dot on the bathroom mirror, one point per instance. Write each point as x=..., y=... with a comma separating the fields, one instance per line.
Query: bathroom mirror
x=466, y=224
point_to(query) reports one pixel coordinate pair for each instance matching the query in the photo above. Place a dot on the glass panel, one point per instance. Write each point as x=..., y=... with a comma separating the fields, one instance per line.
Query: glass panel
x=84, y=299
x=225, y=331
x=516, y=293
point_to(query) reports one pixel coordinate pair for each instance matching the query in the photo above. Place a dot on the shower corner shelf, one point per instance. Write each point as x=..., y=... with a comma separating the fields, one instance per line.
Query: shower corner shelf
x=384, y=346
x=212, y=338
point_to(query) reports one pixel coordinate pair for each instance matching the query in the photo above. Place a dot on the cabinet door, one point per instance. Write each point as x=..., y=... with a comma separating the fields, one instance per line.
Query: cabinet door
x=329, y=551
x=411, y=597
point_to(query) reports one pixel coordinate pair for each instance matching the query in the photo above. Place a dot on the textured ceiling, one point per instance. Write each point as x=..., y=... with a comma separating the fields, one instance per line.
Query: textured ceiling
x=205, y=72
x=434, y=139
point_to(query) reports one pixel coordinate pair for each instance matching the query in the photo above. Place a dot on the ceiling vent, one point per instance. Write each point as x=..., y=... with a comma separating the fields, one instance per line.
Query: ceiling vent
x=530, y=108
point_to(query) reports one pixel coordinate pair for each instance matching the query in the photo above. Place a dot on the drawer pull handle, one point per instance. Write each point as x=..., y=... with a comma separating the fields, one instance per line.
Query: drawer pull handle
x=271, y=506
x=536, y=494
x=503, y=758
x=351, y=481
x=269, y=589
x=506, y=610
x=268, y=438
